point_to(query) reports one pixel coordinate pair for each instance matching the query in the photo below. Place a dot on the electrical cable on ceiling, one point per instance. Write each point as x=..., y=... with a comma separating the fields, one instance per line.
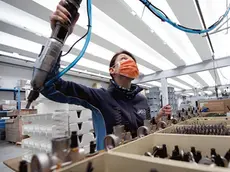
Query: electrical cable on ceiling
x=162, y=16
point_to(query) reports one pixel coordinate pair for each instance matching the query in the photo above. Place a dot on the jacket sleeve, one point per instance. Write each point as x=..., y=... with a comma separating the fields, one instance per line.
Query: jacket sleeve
x=70, y=89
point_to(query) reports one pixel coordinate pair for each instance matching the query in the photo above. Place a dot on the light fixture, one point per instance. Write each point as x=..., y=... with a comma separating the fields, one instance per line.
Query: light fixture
x=86, y=72
x=178, y=84
x=151, y=30
x=17, y=56
x=154, y=83
x=207, y=77
x=190, y=81
x=208, y=92
x=133, y=13
x=223, y=74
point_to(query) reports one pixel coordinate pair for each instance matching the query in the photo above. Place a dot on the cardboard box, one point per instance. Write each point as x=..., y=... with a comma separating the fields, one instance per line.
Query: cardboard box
x=213, y=105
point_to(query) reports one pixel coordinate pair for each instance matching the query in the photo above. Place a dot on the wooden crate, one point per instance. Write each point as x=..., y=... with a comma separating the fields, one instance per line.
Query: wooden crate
x=120, y=162
x=185, y=142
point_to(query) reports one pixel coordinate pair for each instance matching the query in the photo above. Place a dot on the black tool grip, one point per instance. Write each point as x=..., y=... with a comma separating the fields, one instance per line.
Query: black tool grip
x=61, y=29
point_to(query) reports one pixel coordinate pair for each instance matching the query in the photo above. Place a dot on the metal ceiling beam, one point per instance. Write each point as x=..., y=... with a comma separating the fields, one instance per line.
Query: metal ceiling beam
x=203, y=66
x=215, y=76
x=221, y=87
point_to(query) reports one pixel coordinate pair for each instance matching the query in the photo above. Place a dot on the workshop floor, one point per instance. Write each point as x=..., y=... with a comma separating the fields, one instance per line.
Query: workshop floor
x=8, y=151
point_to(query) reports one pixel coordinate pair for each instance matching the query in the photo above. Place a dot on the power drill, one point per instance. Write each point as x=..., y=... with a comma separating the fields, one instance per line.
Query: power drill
x=51, y=51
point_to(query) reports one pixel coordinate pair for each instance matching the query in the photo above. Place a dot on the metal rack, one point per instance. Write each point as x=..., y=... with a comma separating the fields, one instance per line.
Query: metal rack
x=16, y=94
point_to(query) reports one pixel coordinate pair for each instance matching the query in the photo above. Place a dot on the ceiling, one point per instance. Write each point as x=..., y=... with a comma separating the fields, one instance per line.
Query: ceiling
x=122, y=24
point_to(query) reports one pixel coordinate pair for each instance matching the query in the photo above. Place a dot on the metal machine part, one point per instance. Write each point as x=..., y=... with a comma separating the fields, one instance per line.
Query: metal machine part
x=119, y=137
x=174, y=120
x=161, y=125
x=111, y=141
x=142, y=131
x=59, y=157
x=118, y=130
x=61, y=148
x=51, y=51
x=41, y=163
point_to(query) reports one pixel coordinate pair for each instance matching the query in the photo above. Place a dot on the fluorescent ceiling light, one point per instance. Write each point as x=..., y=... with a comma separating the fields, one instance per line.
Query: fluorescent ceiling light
x=17, y=56
x=173, y=37
x=190, y=81
x=224, y=75
x=86, y=63
x=19, y=43
x=208, y=92
x=16, y=42
x=177, y=89
x=21, y=19
x=144, y=85
x=207, y=77
x=154, y=83
x=33, y=24
x=212, y=10
x=86, y=72
x=112, y=31
x=178, y=84
x=26, y=45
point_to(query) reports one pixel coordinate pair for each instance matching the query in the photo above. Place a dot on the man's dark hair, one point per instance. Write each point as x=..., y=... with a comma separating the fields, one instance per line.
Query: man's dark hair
x=113, y=60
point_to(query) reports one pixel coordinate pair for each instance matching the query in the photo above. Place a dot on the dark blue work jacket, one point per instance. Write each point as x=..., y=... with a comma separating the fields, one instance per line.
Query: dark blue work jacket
x=118, y=106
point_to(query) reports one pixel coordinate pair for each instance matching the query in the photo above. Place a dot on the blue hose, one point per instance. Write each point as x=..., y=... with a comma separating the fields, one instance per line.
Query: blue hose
x=98, y=120
x=194, y=31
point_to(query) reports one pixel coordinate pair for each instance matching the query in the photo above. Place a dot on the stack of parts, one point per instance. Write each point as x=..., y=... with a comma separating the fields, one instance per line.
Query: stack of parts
x=81, y=121
x=215, y=129
x=154, y=101
x=41, y=128
x=172, y=99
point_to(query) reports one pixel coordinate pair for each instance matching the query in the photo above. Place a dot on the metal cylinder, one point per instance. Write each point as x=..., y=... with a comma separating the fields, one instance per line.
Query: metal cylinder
x=142, y=131
x=111, y=141
x=61, y=147
x=41, y=163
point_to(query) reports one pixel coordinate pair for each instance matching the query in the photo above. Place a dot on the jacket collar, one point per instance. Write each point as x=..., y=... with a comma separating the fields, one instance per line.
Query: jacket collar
x=118, y=91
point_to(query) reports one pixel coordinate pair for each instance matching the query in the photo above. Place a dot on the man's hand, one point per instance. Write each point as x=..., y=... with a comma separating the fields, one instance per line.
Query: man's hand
x=164, y=111
x=62, y=15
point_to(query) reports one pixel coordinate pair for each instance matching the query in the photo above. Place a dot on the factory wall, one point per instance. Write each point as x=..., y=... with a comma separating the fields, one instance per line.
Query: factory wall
x=10, y=74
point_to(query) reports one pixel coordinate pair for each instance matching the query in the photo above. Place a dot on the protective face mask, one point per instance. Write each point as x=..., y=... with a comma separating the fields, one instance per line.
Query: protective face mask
x=128, y=68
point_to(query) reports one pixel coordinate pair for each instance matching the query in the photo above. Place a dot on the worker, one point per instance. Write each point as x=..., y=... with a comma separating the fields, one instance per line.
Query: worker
x=120, y=104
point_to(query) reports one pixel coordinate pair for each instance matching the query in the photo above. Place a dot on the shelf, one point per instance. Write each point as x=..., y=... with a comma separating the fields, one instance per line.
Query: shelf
x=10, y=90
